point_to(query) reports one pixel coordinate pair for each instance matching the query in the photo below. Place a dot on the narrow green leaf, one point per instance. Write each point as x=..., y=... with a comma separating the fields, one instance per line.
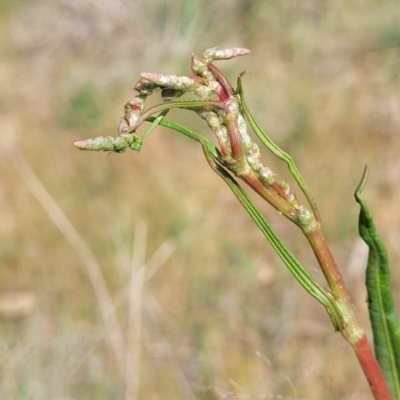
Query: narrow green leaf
x=190, y=104
x=154, y=124
x=296, y=268
x=291, y=262
x=187, y=132
x=274, y=148
x=382, y=309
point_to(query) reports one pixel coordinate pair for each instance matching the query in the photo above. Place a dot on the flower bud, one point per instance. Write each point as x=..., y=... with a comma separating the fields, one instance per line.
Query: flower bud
x=213, y=54
x=144, y=87
x=171, y=81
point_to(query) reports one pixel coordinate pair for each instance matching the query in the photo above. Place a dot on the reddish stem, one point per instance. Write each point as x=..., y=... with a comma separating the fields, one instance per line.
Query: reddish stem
x=351, y=329
x=235, y=138
x=276, y=196
x=227, y=88
x=273, y=198
x=327, y=262
x=372, y=370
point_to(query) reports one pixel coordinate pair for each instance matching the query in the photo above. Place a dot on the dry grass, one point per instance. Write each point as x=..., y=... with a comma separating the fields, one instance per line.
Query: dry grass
x=138, y=276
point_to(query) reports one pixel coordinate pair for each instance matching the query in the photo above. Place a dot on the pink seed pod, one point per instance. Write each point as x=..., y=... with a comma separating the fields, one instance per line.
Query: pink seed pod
x=205, y=91
x=144, y=87
x=133, y=110
x=233, y=104
x=213, y=54
x=201, y=69
x=212, y=119
x=97, y=144
x=267, y=176
x=135, y=104
x=123, y=127
x=131, y=118
x=171, y=81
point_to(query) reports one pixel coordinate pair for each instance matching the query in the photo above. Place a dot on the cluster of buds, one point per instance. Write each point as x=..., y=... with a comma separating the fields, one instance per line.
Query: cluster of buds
x=220, y=105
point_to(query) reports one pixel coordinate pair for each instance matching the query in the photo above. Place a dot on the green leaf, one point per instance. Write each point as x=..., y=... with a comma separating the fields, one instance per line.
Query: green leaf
x=296, y=268
x=274, y=148
x=154, y=124
x=382, y=309
x=187, y=132
x=189, y=104
x=291, y=262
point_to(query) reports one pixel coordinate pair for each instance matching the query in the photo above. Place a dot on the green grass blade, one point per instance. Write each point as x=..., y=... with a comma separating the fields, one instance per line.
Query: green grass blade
x=382, y=309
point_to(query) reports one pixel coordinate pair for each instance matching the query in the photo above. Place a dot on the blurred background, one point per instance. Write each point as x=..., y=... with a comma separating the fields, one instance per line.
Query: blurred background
x=139, y=276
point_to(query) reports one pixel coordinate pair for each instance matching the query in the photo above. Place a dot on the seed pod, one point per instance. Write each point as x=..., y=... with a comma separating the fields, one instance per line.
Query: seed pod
x=123, y=126
x=213, y=54
x=253, y=157
x=99, y=143
x=131, y=118
x=267, y=176
x=205, y=91
x=133, y=110
x=201, y=69
x=233, y=104
x=144, y=87
x=171, y=81
x=108, y=143
x=136, y=103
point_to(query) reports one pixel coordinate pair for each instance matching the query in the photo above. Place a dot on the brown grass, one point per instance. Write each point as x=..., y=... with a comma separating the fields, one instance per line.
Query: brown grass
x=166, y=290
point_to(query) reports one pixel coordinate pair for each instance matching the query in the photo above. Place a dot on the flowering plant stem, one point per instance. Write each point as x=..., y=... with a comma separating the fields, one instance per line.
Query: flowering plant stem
x=227, y=115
